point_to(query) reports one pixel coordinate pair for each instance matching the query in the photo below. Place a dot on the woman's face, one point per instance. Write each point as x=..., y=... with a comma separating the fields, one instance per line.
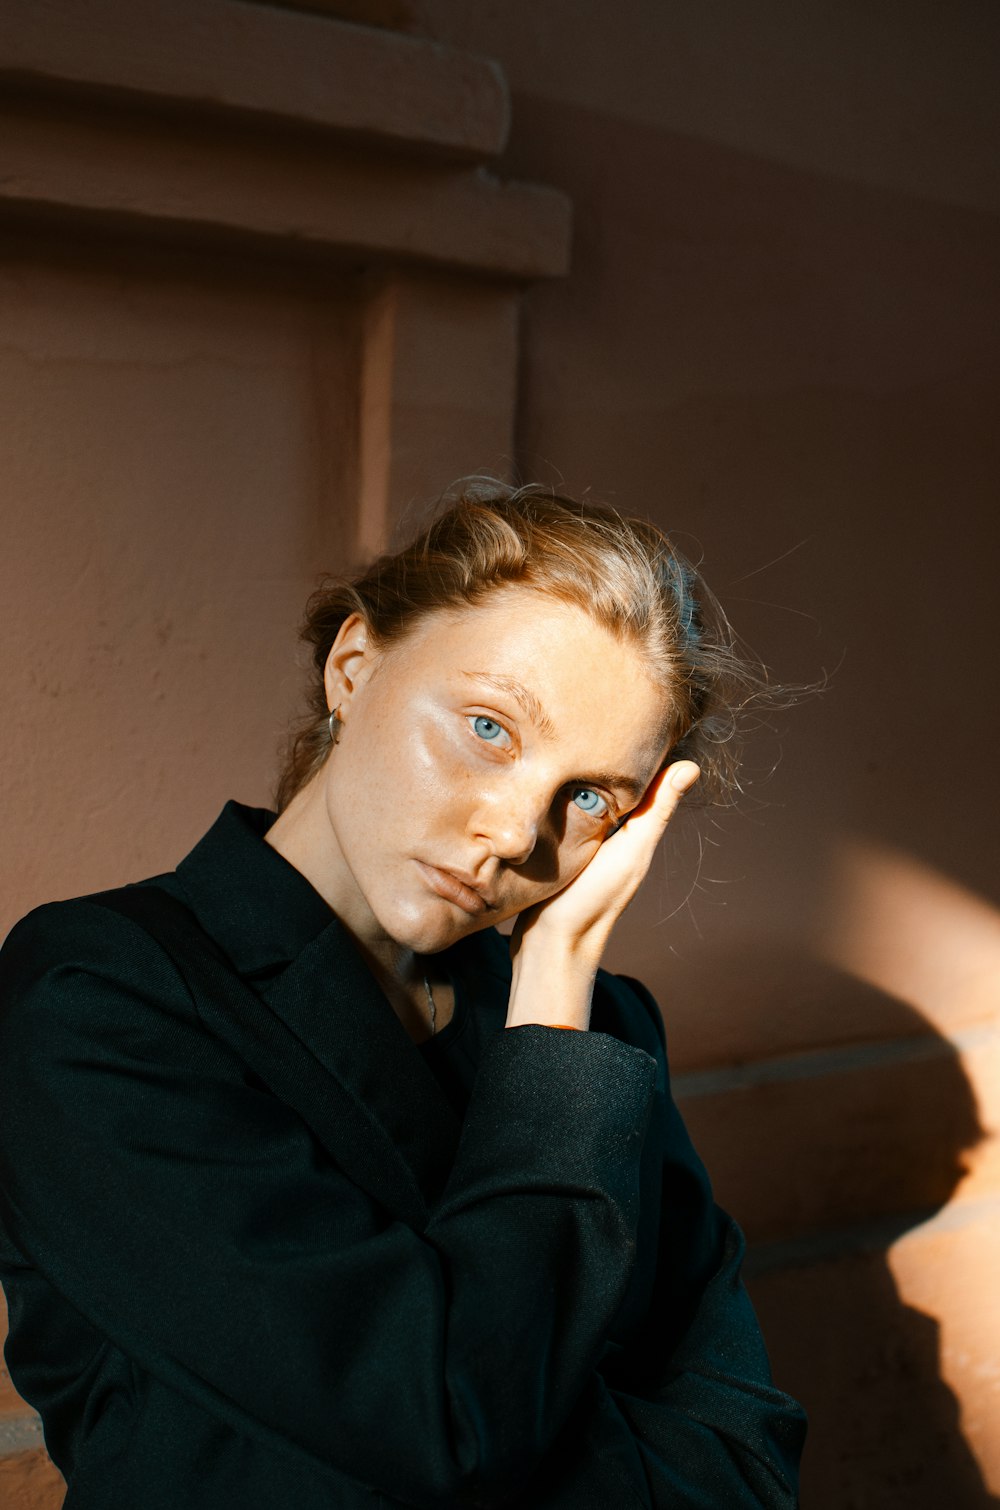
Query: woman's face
x=481, y=762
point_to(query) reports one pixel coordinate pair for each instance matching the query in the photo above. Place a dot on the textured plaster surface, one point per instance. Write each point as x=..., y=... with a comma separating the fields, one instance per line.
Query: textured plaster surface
x=169, y=466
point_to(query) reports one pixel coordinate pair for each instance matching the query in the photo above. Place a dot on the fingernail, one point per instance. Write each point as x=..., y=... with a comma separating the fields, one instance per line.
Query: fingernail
x=684, y=777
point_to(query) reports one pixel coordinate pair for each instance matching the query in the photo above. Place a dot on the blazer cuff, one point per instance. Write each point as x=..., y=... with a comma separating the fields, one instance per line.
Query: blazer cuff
x=557, y=1109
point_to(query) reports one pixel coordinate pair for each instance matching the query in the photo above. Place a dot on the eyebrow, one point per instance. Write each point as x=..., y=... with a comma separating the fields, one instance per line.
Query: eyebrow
x=532, y=708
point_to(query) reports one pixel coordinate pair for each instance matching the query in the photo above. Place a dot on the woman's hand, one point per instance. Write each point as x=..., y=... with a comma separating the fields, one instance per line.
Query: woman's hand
x=557, y=945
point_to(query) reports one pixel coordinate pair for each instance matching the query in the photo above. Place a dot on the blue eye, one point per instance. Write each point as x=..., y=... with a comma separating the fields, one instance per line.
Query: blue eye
x=489, y=730
x=590, y=802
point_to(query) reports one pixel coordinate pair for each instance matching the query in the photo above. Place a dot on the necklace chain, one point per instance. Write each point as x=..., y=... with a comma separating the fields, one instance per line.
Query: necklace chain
x=430, y=1003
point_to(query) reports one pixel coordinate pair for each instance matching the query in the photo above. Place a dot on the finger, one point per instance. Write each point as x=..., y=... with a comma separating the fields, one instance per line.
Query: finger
x=682, y=776
x=646, y=823
x=666, y=792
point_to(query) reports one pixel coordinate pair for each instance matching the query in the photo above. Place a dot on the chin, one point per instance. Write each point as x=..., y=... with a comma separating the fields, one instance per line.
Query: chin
x=430, y=931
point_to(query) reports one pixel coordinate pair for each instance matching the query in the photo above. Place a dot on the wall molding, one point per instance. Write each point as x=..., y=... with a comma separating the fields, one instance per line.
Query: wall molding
x=237, y=58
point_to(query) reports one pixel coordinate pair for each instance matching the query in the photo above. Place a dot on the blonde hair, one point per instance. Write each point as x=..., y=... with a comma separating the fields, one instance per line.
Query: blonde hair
x=623, y=572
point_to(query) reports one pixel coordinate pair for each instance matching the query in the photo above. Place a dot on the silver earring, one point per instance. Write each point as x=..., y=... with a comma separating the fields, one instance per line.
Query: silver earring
x=334, y=718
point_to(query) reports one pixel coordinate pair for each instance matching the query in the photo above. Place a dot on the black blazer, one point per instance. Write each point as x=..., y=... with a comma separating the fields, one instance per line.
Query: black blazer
x=255, y=1256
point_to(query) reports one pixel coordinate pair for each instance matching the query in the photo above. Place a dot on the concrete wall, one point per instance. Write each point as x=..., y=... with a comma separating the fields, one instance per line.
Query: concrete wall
x=779, y=335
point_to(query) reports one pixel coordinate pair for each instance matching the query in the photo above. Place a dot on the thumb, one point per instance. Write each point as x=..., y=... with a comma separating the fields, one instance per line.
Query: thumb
x=665, y=794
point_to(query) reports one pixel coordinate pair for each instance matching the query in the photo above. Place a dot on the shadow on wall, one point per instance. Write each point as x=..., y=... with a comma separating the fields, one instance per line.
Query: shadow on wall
x=842, y=1152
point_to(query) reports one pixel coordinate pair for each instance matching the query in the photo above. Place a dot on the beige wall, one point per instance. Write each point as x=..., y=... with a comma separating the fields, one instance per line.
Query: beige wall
x=779, y=335
x=171, y=454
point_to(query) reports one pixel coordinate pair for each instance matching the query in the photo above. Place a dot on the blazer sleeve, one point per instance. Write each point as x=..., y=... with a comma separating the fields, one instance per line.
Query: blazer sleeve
x=189, y=1215
x=686, y=1411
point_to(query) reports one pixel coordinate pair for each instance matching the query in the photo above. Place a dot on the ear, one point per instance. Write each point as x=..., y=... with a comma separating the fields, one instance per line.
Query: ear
x=351, y=661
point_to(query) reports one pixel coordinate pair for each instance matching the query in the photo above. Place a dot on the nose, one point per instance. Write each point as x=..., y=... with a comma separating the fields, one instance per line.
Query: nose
x=510, y=824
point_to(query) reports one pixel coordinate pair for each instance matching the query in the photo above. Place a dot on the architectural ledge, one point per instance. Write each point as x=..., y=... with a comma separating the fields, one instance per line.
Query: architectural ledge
x=247, y=58
x=130, y=173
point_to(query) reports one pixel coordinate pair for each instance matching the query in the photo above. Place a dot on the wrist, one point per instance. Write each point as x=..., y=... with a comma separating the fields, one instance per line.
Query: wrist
x=551, y=991
x=546, y=947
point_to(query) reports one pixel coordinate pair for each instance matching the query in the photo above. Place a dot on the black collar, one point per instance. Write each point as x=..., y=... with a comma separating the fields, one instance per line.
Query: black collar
x=264, y=913
x=251, y=899
x=270, y=921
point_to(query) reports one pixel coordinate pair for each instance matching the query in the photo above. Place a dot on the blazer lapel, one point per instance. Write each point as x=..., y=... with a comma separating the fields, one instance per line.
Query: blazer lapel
x=326, y=1031
x=312, y=1066
x=330, y=1001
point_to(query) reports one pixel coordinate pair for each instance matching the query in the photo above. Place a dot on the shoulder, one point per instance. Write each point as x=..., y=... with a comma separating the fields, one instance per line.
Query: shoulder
x=89, y=929
x=102, y=1046
x=80, y=965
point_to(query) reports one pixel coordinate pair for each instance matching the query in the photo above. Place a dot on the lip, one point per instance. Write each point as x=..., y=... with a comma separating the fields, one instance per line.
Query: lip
x=454, y=888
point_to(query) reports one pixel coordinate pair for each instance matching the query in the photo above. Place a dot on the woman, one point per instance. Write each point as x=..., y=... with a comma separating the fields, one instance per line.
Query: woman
x=310, y=1195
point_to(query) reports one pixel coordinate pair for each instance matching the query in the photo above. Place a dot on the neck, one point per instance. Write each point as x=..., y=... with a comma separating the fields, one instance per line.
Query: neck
x=302, y=835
